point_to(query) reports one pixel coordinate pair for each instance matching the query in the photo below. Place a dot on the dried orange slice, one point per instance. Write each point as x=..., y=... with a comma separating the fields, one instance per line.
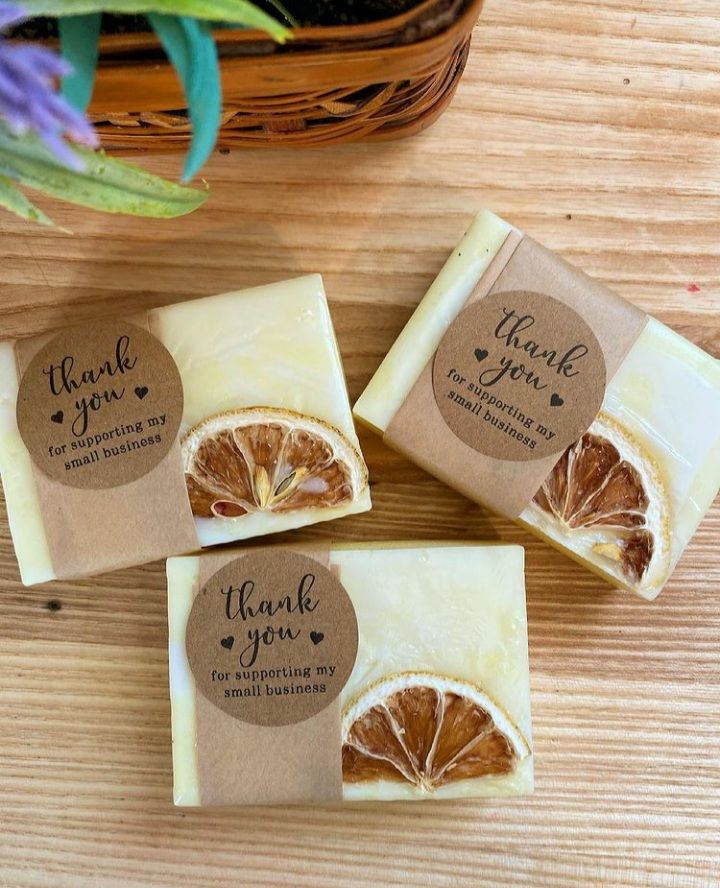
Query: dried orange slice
x=268, y=459
x=427, y=730
x=605, y=498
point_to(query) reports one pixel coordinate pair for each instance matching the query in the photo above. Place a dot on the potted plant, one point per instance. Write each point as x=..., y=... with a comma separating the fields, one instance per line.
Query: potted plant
x=47, y=144
x=163, y=74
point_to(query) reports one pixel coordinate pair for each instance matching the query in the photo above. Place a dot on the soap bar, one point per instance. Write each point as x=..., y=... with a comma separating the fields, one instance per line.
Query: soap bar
x=436, y=704
x=265, y=439
x=626, y=494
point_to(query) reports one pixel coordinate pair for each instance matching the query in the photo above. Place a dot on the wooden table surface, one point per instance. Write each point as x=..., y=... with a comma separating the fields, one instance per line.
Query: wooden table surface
x=595, y=126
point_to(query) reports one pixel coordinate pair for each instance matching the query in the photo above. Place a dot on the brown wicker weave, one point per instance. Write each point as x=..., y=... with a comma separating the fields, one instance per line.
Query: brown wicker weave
x=378, y=81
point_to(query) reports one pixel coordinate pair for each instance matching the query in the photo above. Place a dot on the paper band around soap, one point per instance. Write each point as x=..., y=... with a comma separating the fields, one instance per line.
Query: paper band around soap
x=272, y=638
x=518, y=375
x=100, y=405
x=459, y=451
x=126, y=522
x=306, y=756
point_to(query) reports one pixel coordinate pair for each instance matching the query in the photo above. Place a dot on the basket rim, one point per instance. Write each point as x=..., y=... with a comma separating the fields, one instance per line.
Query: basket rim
x=116, y=44
x=153, y=84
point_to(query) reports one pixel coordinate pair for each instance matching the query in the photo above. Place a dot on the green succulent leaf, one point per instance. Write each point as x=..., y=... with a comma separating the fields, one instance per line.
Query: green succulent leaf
x=79, y=35
x=105, y=183
x=240, y=12
x=191, y=49
x=15, y=201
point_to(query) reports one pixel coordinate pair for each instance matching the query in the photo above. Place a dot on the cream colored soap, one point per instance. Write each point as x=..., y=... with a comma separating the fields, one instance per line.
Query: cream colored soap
x=24, y=516
x=661, y=411
x=271, y=348
x=445, y=616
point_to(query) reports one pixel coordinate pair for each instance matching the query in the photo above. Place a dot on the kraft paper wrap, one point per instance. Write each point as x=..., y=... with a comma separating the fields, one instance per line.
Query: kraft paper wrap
x=94, y=531
x=243, y=764
x=418, y=429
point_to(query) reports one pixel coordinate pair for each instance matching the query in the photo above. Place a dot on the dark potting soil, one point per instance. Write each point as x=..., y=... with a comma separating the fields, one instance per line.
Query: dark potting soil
x=307, y=13
x=346, y=12
x=44, y=27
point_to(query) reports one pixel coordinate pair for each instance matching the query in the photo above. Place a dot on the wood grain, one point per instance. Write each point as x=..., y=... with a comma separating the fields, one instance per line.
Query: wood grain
x=594, y=126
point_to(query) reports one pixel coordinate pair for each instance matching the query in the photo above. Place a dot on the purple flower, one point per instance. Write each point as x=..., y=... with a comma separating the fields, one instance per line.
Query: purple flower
x=29, y=101
x=10, y=14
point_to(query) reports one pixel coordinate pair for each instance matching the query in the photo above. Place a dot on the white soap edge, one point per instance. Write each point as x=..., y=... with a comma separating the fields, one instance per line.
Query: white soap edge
x=181, y=584
x=21, y=497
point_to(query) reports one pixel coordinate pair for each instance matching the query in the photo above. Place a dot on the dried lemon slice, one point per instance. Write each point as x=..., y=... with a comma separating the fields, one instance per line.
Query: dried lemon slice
x=427, y=730
x=268, y=459
x=604, y=498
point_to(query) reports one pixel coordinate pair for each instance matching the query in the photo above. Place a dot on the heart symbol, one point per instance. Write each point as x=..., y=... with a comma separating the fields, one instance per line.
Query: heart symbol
x=228, y=642
x=556, y=401
x=316, y=637
x=57, y=417
x=141, y=391
x=481, y=353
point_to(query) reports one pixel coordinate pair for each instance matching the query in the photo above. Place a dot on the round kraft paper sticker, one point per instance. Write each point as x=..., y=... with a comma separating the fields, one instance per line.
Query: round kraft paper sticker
x=100, y=405
x=272, y=638
x=519, y=376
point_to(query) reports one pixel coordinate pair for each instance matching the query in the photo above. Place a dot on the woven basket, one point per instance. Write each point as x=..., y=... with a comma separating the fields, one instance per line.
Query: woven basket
x=383, y=80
